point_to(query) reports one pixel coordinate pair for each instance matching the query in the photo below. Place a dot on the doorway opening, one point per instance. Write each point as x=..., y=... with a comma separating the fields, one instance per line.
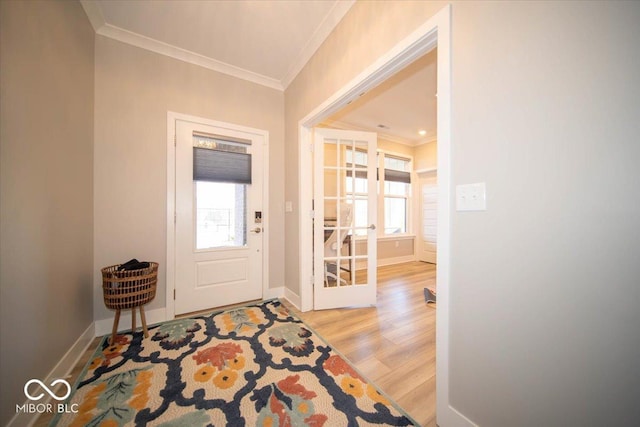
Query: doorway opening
x=436, y=32
x=402, y=111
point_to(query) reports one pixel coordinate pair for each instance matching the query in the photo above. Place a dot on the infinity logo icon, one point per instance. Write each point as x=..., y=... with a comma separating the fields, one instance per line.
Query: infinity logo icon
x=47, y=389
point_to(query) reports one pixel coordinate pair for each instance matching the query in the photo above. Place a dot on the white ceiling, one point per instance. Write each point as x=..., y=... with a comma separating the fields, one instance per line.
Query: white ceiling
x=268, y=42
x=404, y=103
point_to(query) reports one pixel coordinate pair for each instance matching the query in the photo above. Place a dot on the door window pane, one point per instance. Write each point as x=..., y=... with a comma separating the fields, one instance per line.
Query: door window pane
x=357, y=185
x=361, y=216
x=357, y=157
x=220, y=214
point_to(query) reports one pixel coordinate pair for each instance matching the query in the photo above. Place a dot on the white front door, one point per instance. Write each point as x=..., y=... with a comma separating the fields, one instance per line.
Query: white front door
x=219, y=216
x=428, y=238
x=345, y=214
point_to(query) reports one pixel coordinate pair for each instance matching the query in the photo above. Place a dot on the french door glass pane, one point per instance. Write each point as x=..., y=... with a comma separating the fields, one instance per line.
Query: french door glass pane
x=220, y=214
x=360, y=216
x=342, y=181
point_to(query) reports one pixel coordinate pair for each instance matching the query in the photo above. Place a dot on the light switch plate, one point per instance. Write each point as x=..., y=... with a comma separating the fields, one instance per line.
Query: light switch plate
x=471, y=197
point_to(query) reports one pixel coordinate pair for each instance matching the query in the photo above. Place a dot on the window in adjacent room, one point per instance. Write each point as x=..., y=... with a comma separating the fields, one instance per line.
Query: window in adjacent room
x=394, y=189
x=396, y=194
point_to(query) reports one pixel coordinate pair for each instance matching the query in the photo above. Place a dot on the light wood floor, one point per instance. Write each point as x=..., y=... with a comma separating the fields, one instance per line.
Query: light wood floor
x=392, y=344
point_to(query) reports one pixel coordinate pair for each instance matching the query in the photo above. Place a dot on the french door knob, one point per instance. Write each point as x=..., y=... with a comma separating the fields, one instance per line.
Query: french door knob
x=372, y=227
x=256, y=230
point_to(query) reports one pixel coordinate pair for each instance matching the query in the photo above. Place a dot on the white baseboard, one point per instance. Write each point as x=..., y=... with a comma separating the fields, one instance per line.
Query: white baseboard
x=104, y=326
x=274, y=293
x=62, y=370
x=452, y=417
x=395, y=260
x=361, y=265
x=292, y=297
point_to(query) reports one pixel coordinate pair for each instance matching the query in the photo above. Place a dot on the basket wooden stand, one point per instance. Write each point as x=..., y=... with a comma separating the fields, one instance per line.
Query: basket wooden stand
x=129, y=290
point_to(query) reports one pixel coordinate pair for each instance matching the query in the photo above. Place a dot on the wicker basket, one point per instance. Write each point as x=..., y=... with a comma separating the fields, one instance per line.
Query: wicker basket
x=129, y=289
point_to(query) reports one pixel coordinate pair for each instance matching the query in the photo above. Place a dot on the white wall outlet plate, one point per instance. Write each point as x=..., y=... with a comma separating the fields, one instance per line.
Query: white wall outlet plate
x=471, y=197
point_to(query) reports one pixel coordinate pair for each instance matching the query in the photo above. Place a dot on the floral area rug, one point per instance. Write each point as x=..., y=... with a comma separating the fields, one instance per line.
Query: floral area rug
x=251, y=366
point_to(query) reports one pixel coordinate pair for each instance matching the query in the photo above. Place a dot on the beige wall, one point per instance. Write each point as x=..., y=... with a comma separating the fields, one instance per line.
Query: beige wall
x=46, y=260
x=544, y=284
x=395, y=147
x=134, y=90
x=544, y=290
x=426, y=156
x=388, y=249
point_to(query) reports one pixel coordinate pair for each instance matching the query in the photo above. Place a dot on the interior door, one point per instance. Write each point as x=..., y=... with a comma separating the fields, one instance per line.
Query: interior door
x=428, y=216
x=218, y=219
x=345, y=218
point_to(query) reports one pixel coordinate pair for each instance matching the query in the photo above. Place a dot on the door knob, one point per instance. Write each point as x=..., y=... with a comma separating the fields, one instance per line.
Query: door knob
x=372, y=227
x=256, y=230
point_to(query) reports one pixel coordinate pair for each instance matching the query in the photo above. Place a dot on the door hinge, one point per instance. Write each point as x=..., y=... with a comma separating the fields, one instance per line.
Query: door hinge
x=174, y=294
x=175, y=140
x=175, y=217
x=312, y=214
x=311, y=147
x=312, y=279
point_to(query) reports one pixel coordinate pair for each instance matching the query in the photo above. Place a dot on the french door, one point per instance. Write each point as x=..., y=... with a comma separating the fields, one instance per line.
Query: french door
x=218, y=221
x=345, y=217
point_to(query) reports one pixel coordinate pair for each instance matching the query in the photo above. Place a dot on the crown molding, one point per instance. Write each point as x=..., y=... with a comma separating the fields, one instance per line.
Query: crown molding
x=101, y=27
x=335, y=15
x=427, y=141
x=94, y=13
x=396, y=139
x=166, y=49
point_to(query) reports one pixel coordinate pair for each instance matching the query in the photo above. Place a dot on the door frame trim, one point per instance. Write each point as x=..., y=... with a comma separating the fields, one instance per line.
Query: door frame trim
x=171, y=200
x=435, y=31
